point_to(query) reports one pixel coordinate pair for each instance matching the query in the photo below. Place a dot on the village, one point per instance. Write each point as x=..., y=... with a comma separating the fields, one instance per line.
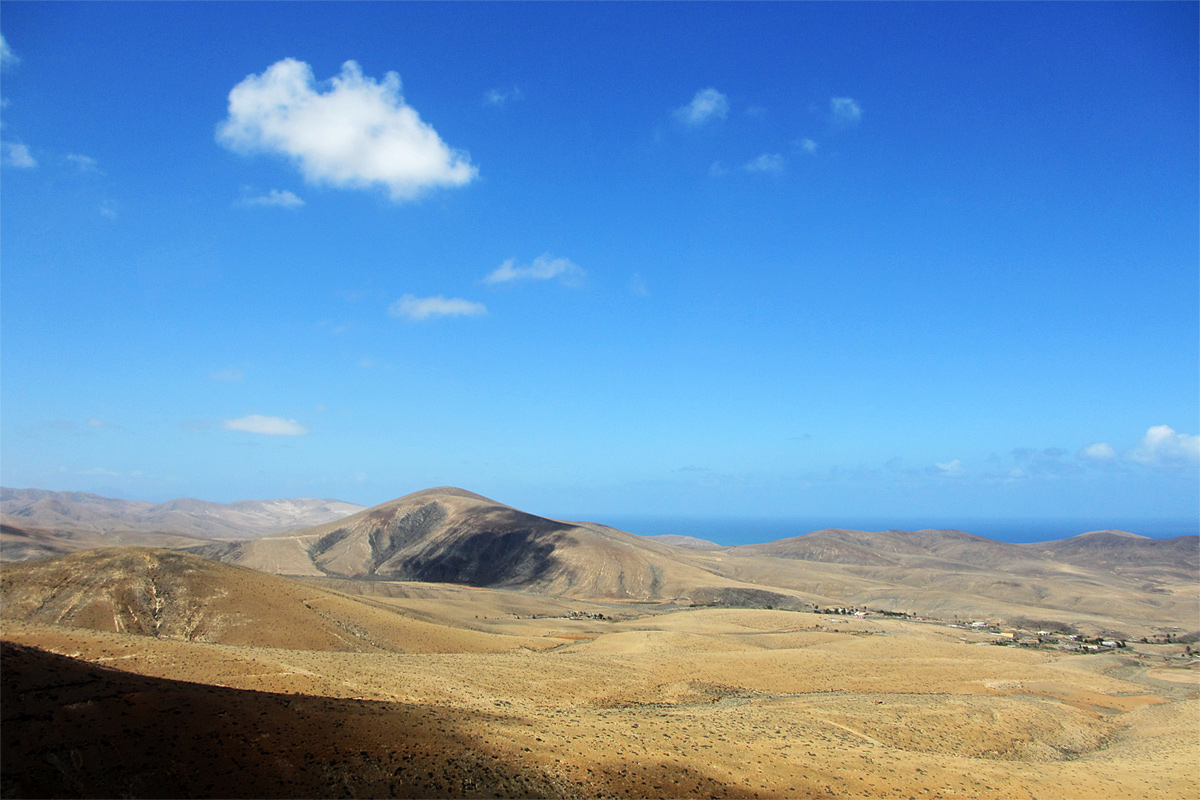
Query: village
x=1062, y=638
x=1176, y=649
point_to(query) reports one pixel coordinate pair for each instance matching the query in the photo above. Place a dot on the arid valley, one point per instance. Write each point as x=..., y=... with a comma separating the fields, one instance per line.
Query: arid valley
x=445, y=645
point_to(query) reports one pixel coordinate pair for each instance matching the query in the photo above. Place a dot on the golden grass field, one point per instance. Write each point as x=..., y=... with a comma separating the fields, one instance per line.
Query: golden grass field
x=450, y=691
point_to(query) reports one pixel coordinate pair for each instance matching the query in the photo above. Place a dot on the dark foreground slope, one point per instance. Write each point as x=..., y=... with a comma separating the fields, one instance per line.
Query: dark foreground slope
x=69, y=728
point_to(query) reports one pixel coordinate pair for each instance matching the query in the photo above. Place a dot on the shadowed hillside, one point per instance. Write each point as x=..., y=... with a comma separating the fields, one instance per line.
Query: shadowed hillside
x=450, y=535
x=74, y=729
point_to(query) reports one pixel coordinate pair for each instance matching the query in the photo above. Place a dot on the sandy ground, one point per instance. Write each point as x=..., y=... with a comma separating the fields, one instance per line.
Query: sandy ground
x=648, y=702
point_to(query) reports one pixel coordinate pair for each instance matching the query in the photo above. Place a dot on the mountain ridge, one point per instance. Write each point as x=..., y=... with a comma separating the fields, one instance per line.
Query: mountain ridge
x=42, y=522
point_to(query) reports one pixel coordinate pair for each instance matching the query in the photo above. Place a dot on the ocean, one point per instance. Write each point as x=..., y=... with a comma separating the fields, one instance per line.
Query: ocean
x=734, y=531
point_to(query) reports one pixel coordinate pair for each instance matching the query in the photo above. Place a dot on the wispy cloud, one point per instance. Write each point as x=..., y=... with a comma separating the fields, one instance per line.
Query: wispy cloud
x=767, y=162
x=845, y=111
x=280, y=198
x=1099, y=452
x=949, y=469
x=717, y=170
x=706, y=105
x=18, y=155
x=85, y=164
x=266, y=426
x=423, y=308
x=638, y=286
x=7, y=57
x=1044, y=463
x=352, y=132
x=545, y=267
x=1163, y=447
x=502, y=97
x=808, y=146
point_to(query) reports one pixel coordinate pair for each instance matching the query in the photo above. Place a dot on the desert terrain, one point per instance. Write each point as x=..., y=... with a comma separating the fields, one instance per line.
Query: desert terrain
x=573, y=660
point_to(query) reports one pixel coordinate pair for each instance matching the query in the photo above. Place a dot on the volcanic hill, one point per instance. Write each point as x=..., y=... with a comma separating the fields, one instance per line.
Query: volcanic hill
x=449, y=535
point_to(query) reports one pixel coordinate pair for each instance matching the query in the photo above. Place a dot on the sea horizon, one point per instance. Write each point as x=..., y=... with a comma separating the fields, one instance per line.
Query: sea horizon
x=729, y=531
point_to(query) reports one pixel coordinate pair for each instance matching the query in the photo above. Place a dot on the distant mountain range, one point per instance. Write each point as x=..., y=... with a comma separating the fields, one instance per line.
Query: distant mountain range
x=39, y=523
x=449, y=535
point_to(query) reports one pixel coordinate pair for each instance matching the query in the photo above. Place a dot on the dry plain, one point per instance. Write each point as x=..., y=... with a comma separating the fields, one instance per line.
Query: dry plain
x=505, y=693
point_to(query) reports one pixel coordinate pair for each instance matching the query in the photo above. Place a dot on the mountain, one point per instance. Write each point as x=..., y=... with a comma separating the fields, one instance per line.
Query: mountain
x=41, y=523
x=449, y=535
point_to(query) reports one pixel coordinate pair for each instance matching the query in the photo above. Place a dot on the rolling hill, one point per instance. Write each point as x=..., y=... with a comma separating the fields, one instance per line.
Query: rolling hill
x=451, y=536
x=184, y=597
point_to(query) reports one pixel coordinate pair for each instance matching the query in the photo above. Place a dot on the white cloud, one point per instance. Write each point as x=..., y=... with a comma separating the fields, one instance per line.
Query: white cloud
x=18, y=155
x=357, y=133
x=280, y=198
x=268, y=426
x=422, y=308
x=717, y=170
x=808, y=145
x=707, y=104
x=1163, y=447
x=543, y=268
x=84, y=163
x=1100, y=451
x=767, y=162
x=845, y=110
x=99, y=424
x=7, y=57
x=501, y=97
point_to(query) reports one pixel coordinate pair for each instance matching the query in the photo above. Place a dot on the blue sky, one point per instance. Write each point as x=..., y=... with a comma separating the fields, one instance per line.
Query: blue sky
x=841, y=260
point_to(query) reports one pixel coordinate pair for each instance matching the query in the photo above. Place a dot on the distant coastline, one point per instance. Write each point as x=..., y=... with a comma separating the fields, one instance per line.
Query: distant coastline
x=750, y=530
